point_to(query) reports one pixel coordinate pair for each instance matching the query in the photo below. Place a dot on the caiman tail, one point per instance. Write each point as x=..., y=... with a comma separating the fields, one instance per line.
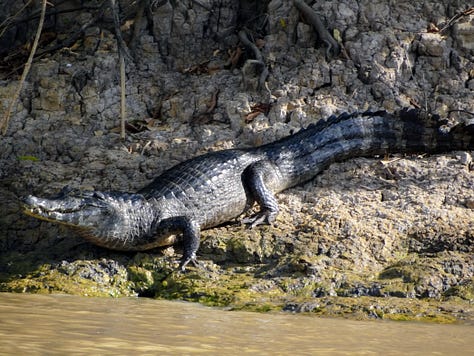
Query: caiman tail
x=302, y=156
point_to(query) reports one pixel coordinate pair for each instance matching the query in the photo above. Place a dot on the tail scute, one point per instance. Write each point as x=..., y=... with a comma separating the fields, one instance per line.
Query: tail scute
x=427, y=132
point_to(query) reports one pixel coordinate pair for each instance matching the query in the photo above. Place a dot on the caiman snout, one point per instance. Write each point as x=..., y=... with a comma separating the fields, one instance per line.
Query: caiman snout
x=119, y=221
x=34, y=205
x=66, y=209
x=39, y=207
x=34, y=202
x=43, y=204
x=52, y=209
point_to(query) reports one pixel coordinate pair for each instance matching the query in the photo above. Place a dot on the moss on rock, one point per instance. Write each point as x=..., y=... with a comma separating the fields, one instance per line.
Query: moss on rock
x=89, y=278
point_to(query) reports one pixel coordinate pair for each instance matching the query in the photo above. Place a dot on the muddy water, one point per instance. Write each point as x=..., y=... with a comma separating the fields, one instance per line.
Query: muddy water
x=59, y=324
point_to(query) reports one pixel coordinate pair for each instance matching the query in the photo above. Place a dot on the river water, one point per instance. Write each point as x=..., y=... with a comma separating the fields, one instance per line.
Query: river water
x=61, y=324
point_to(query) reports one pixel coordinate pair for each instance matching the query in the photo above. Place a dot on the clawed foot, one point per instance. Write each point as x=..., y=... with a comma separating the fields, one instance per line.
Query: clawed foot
x=266, y=218
x=186, y=260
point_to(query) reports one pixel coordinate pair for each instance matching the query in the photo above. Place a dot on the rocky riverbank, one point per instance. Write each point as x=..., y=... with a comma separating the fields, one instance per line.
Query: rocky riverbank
x=385, y=237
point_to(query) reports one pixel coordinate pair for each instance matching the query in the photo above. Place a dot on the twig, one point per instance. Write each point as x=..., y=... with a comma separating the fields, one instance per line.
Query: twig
x=123, y=109
x=11, y=19
x=74, y=37
x=456, y=18
x=463, y=111
x=333, y=47
x=213, y=102
x=123, y=53
x=6, y=119
x=55, y=12
x=245, y=40
x=118, y=33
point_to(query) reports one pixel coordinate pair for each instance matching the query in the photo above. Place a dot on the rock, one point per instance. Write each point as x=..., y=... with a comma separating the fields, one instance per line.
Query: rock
x=470, y=84
x=306, y=36
x=432, y=44
x=187, y=34
x=465, y=158
x=463, y=31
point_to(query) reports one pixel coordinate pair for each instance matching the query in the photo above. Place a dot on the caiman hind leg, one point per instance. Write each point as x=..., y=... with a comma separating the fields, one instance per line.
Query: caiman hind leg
x=259, y=178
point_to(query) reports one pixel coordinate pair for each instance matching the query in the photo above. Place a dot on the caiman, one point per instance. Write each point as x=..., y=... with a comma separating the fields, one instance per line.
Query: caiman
x=216, y=187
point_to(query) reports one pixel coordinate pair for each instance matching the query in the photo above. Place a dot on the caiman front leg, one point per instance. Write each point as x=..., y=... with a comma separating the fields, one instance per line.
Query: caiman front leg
x=258, y=179
x=191, y=232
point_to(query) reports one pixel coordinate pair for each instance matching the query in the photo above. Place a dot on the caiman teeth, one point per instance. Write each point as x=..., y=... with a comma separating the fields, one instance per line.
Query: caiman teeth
x=39, y=211
x=35, y=211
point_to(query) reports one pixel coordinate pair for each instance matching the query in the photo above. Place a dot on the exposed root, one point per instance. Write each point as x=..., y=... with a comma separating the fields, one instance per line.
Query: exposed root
x=333, y=48
x=258, y=61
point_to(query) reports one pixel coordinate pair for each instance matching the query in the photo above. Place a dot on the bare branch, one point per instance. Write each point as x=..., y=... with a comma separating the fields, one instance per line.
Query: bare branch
x=6, y=119
x=123, y=54
x=456, y=18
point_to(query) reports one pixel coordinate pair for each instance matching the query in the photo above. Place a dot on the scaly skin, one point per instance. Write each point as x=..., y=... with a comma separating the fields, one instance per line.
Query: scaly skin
x=216, y=187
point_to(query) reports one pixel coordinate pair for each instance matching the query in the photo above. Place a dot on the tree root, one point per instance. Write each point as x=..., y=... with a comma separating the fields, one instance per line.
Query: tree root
x=333, y=48
x=257, y=62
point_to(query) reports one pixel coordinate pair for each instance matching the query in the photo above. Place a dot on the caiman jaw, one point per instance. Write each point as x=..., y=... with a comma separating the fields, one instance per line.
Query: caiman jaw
x=65, y=210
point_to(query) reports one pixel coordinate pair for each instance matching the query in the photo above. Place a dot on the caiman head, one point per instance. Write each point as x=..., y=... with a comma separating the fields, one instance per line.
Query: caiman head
x=114, y=220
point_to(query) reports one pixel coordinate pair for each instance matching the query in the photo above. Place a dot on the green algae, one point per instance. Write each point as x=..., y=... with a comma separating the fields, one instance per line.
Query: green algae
x=244, y=289
x=85, y=278
x=28, y=158
x=463, y=291
x=209, y=288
